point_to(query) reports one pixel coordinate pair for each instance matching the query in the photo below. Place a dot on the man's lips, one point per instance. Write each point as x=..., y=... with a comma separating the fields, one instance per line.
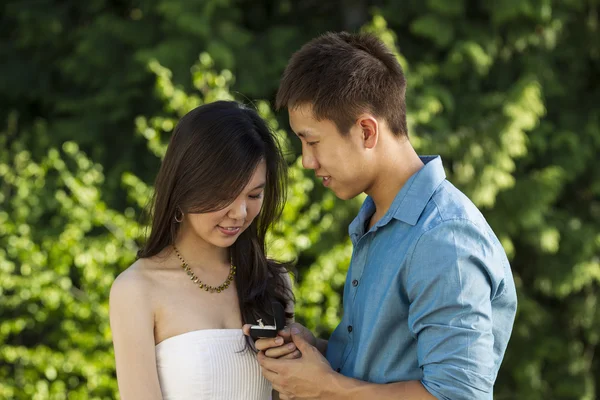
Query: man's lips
x=326, y=179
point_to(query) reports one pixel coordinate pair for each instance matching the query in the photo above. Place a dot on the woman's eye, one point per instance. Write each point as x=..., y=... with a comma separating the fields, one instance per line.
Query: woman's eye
x=256, y=196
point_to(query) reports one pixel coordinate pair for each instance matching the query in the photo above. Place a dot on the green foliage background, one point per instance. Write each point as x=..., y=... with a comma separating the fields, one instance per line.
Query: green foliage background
x=506, y=91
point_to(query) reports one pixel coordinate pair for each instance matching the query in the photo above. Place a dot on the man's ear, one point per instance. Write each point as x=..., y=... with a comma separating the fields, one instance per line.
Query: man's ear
x=370, y=130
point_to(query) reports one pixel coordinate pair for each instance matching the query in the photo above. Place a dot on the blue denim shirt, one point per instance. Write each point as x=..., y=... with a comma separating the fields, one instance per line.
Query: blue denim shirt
x=429, y=294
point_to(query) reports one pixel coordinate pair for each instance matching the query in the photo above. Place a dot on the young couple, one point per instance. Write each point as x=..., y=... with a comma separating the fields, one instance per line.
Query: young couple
x=429, y=300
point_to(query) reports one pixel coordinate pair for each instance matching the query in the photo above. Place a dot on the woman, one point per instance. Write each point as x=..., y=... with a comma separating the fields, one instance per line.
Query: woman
x=176, y=313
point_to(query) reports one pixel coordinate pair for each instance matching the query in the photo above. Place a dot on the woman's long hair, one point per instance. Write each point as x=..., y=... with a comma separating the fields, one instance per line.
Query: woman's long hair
x=211, y=157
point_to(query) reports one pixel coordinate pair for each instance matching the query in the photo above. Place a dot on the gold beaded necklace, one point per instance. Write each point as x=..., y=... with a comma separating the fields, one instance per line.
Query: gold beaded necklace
x=201, y=284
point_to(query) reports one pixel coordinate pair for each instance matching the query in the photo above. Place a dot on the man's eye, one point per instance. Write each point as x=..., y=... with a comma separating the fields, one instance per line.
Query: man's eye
x=311, y=143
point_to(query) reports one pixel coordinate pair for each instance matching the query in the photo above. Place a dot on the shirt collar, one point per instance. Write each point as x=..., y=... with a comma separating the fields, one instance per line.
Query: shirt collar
x=409, y=203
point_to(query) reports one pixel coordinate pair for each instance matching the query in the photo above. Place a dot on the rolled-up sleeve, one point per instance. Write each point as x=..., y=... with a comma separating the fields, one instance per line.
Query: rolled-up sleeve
x=450, y=285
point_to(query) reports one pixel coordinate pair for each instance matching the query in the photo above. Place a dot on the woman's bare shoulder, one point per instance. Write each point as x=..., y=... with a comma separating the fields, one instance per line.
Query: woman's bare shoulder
x=135, y=283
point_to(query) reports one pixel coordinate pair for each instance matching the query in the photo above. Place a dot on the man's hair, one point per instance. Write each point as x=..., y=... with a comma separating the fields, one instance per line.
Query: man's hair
x=342, y=75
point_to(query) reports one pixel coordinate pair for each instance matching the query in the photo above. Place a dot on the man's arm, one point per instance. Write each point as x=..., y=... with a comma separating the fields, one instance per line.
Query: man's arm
x=311, y=377
x=455, y=271
x=343, y=388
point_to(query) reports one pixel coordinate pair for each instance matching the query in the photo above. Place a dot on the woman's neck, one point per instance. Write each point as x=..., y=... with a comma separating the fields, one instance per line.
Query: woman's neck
x=199, y=253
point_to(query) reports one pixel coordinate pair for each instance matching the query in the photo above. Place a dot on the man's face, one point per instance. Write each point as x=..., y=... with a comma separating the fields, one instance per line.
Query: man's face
x=339, y=161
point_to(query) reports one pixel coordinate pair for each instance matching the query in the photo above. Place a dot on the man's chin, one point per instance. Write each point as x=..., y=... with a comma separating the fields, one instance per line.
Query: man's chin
x=345, y=194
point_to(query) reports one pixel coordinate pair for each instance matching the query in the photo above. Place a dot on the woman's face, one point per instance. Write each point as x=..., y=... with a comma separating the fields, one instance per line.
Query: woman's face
x=222, y=228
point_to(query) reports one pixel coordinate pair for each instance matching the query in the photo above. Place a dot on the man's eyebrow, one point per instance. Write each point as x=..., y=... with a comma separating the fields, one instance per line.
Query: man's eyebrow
x=303, y=134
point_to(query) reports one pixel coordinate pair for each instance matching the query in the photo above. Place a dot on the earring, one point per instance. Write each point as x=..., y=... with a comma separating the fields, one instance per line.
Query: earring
x=178, y=220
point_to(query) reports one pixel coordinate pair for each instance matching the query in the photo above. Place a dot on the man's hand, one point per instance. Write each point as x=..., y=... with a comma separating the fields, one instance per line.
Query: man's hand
x=304, y=378
x=282, y=345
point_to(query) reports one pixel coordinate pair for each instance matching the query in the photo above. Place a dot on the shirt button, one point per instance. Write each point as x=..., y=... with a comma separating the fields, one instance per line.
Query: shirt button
x=349, y=328
x=355, y=283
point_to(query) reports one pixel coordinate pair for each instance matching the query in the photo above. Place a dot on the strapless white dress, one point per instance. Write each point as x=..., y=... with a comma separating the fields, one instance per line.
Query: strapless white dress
x=210, y=364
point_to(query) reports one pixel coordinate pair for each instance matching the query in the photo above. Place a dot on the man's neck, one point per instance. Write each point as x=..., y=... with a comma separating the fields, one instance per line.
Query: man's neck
x=397, y=165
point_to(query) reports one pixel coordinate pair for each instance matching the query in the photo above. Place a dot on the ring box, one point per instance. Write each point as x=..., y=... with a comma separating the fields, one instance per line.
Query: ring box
x=270, y=331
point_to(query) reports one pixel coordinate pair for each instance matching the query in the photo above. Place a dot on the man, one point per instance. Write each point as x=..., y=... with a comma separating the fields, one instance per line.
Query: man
x=429, y=300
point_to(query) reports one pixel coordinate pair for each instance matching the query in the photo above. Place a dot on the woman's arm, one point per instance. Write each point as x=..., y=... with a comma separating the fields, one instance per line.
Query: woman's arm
x=132, y=325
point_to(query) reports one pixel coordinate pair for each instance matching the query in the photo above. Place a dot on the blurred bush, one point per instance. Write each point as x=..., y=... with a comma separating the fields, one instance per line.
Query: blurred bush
x=505, y=91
